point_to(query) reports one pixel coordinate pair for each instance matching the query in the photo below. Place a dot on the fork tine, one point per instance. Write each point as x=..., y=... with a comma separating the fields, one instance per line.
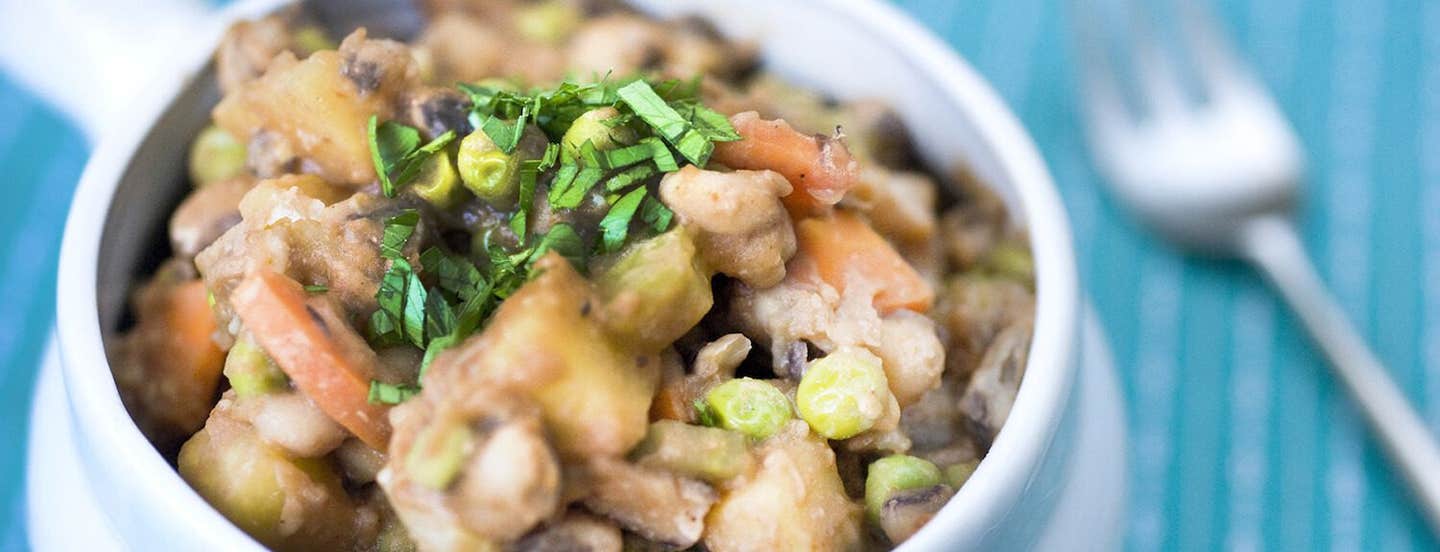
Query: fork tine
x=1104, y=104
x=1219, y=69
x=1162, y=93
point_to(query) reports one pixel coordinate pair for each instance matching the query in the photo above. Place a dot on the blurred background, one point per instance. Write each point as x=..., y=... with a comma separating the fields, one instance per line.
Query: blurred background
x=1238, y=438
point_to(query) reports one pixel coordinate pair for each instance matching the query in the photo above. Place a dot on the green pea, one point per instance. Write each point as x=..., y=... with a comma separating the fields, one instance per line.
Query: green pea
x=438, y=453
x=499, y=83
x=310, y=39
x=548, y=22
x=1011, y=260
x=438, y=183
x=749, y=406
x=843, y=394
x=592, y=126
x=957, y=474
x=892, y=474
x=250, y=370
x=491, y=174
x=215, y=155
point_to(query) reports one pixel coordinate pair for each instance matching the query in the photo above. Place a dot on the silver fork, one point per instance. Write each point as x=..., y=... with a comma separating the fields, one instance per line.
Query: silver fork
x=1219, y=175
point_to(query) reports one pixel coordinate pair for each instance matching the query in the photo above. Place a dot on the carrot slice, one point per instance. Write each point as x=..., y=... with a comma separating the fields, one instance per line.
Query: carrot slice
x=819, y=168
x=193, y=361
x=842, y=247
x=313, y=345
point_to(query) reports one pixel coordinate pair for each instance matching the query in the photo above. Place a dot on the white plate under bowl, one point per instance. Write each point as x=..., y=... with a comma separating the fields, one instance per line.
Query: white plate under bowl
x=1089, y=512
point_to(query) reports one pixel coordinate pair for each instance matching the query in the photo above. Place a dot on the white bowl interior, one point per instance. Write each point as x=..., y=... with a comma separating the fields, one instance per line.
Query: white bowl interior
x=848, y=48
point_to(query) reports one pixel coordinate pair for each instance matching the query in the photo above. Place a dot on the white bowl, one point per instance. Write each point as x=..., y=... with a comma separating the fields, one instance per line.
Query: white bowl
x=849, y=48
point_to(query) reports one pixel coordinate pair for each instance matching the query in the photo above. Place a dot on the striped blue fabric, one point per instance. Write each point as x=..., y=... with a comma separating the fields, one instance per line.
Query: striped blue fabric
x=1238, y=438
x=41, y=155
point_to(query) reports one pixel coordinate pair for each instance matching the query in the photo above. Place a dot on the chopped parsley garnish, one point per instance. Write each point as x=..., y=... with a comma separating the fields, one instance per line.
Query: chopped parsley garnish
x=656, y=214
x=397, y=154
x=387, y=393
x=703, y=413
x=446, y=297
x=316, y=288
x=401, y=295
x=616, y=224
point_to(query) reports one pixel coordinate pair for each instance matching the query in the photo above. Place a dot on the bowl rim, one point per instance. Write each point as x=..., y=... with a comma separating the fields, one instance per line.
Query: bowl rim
x=1050, y=370
x=1018, y=448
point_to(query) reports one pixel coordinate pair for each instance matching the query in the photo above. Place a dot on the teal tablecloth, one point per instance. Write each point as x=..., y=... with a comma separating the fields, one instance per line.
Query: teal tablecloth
x=1238, y=440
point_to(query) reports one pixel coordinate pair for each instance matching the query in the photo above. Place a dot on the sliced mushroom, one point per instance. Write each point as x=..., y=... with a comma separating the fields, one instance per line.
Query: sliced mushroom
x=658, y=505
x=206, y=214
x=435, y=110
x=907, y=511
x=576, y=532
x=987, y=401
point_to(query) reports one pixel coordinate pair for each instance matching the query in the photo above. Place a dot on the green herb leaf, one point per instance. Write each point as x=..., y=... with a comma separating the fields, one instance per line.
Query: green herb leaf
x=439, y=317
x=656, y=214
x=401, y=296
x=316, y=288
x=412, y=163
x=391, y=295
x=472, y=312
x=564, y=178
x=652, y=109
x=396, y=153
x=454, y=273
x=389, y=144
x=615, y=227
x=505, y=134
x=695, y=147
x=529, y=174
x=383, y=332
x=562, y=239
x=714, y=126
x=386, y=393
x=413, y=316
x=552, y=152
x=660, y=154
x=571, y=197
x=704, y=414
x=626, y=156
x=628, y=177
x=397, y=231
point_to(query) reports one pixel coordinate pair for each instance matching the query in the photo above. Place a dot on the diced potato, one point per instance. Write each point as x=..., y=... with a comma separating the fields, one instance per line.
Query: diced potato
x=656, y=292
x=251, y=372
x=708, y=453
x=794, y=501
x=546, y=340
x=320, y=106
x=286, y=503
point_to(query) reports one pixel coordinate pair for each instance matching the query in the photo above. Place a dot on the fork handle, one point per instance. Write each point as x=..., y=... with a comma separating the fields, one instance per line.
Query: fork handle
x=1274, y=246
